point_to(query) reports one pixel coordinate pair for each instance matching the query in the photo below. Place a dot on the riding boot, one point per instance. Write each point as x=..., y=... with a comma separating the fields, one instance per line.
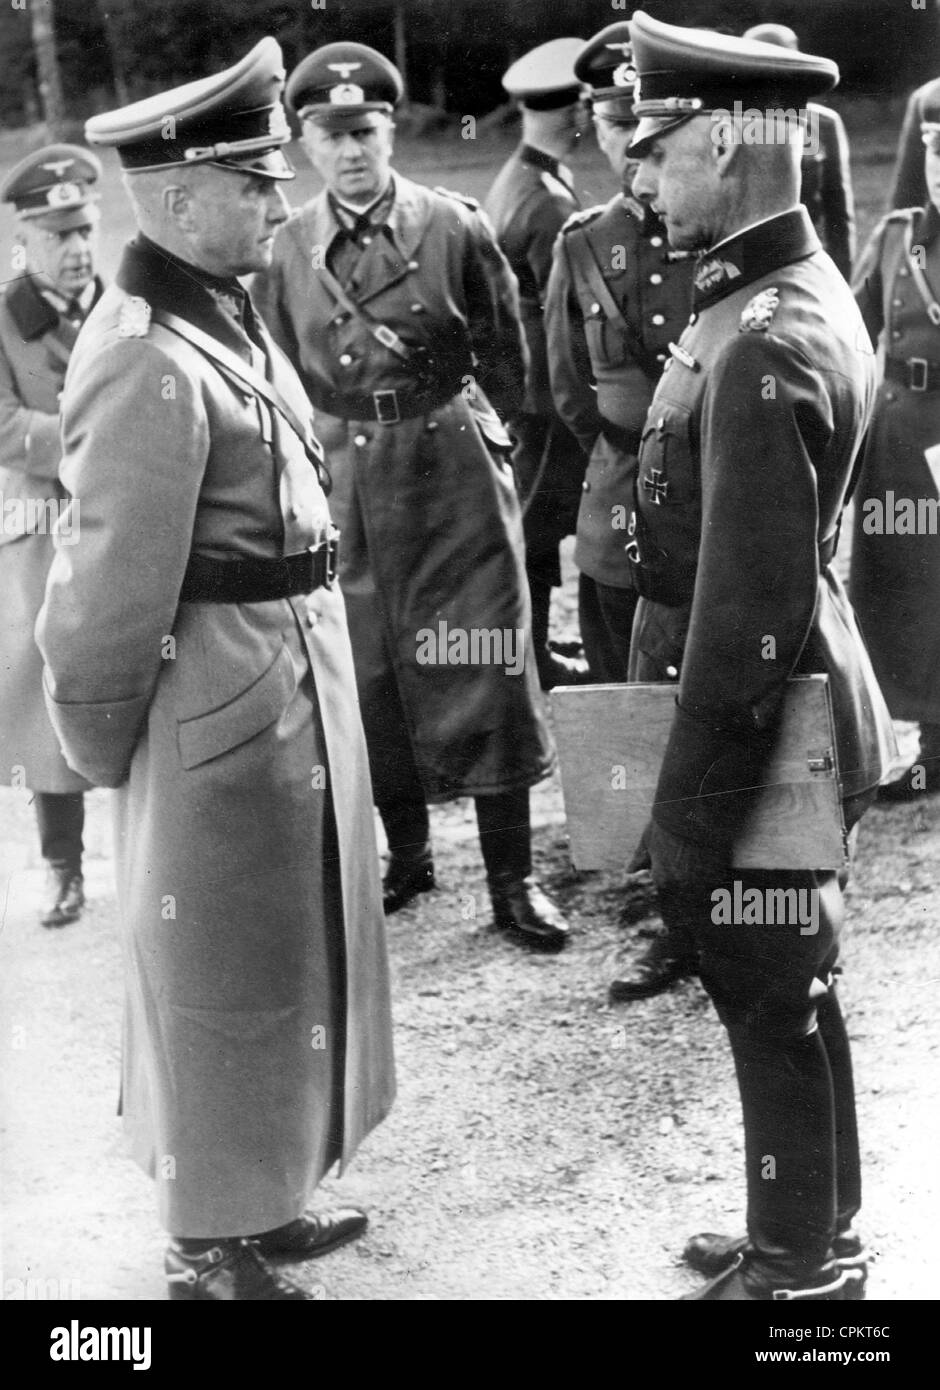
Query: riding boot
x=410, y=865
x=519, y=904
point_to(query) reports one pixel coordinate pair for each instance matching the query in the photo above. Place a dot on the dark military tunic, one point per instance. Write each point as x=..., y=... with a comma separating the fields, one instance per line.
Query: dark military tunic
x=604, y=365
x=746, y=456
x=35, y=345
x=529, y=202
x=895, y=576
x=426, y=502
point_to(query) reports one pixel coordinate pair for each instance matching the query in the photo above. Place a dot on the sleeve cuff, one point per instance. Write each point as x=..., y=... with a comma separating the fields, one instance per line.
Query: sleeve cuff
x=98, y=740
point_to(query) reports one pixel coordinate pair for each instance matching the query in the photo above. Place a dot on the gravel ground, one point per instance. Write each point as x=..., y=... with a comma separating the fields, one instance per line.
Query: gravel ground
x=544, y=1144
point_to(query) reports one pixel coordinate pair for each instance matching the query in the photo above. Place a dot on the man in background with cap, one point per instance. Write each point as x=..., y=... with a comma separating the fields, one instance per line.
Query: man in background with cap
x=532, y=197
x=826, y=174
x=401, y=315
x=616, y=297
x=54, y=198
x=909, y=187
x=743, y=468
x=197, y=660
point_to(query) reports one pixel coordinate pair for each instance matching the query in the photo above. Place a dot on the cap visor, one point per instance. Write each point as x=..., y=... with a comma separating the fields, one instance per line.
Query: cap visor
x=650, y=128
x=64, y=219
x=273, y=165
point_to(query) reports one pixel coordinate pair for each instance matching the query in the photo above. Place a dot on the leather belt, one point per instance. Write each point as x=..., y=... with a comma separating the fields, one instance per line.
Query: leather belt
x=253, y=580
x=916, y=373
x=385, y=407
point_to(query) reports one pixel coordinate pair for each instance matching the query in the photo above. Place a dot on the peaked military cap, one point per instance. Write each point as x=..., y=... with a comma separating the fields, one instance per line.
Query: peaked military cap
x=234, y=119
x=605, y=62
x=544, y=78
x=55, y=184
x=691, y=72
x=341, y=81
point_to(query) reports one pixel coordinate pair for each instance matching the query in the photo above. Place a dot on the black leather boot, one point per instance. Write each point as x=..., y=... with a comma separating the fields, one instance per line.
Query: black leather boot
x=66, y=895
x=553, y=667
x=747, y=1280
x=410, y=866
x=230, y=1271
x=520, y=906
x=665, y=961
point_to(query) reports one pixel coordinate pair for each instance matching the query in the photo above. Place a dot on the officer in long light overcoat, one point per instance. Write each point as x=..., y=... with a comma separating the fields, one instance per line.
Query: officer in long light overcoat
x=198, y=662
x=895, y=575
x=401, y=316
x=53, y=192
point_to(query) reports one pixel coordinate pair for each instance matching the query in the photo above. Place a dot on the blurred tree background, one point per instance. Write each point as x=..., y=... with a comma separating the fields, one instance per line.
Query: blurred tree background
x=102, y=53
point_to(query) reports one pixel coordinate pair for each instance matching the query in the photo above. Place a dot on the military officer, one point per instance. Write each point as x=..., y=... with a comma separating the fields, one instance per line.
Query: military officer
x=53, y=194
x=895, y=574
x=826, y=174
x=745, y=459
x=616, y=298
x=401, y=315
x=531, y=198
x=197, y=661
x=909, y=189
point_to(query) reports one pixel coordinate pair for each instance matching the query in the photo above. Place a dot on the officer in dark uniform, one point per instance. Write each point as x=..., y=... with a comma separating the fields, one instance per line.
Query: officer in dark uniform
x=616, y=298
x=746, y=456
x=826, y=182
x=531, y=198
x=401, y=315
x=909, y=188
x=54, y=195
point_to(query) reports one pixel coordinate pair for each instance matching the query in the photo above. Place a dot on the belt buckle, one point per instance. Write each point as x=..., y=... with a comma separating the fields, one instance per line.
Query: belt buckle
x=917, y=379
x=386, y=407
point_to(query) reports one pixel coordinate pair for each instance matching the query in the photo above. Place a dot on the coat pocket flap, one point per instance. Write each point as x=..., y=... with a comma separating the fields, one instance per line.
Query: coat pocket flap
x=209, y=735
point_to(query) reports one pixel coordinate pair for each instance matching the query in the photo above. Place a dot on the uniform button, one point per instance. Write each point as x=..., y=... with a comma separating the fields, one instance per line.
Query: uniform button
x=345, y=359
x=659, y=320
x=595, y=308
x=340, y=320
x=897, y=303
x=895, y=333
x=656, y=241
x=671, y=672
x=361, y=440
x=417, y=308
x=585, y=486
x=413, y=265
x=889, y=396
x=367, y=241
x=903, y=273
x=656, y=279
x=660, y=357
x=693, y=318
x=431, y=426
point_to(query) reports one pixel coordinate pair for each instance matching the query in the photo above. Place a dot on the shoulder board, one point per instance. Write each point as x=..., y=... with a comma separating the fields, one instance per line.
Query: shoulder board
x=757, y=315
x=134, y=317
x=582, y=218
x=556, y=186
x=464, y=198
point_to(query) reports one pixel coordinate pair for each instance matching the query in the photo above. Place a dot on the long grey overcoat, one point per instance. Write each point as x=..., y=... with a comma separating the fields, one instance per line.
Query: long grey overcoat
x=258, y=1039
x=432, y=532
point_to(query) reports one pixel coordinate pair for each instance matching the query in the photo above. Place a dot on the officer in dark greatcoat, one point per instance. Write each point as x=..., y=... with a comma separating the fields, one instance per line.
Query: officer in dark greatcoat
x=197, y=661
x=401, y=316
x=531, y=198
x=746, y=456
x=826, y=174
x=54, y=195
x=616, y=298
x=895, y=575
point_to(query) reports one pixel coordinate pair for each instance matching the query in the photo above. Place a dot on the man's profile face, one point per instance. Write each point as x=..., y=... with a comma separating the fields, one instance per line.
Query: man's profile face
x=932, y=171
x=230, y=219
x=679, y=177
x=613, y=138
x=63, y=260
x=354, y=161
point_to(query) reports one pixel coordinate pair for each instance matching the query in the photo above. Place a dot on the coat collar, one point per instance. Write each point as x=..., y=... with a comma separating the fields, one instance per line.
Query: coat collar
x=541, y=159
x=31, y=311
x=407, y=219
x=168, y=283
x=745, y=257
